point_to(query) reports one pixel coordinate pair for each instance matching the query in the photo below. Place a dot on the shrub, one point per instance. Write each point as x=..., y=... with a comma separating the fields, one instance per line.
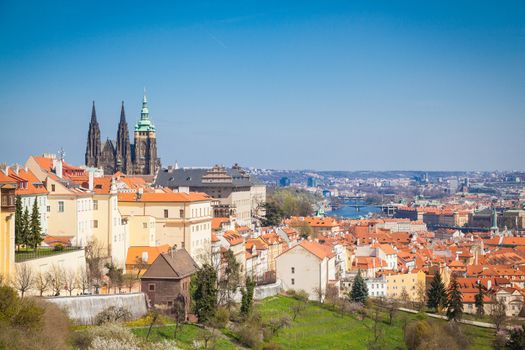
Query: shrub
x=112, y=314
x=222, y=316
x=58, y=247
x=249, y=335
x=272, y=346
x=301, y=295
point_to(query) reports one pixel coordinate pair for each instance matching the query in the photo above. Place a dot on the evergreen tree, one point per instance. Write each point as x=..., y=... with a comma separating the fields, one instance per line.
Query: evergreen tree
x=359, y=292
x=26, y=228
x=274, y=214
x=19, y=226
x=204, y=293
x=454, y=301
x=230, y=279
x=437, y=295
x=247, y=297
x=516, y=339
x=36, y=229
x=479, y=302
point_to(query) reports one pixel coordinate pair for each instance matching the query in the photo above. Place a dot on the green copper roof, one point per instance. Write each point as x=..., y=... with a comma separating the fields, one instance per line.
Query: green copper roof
x=144, y=123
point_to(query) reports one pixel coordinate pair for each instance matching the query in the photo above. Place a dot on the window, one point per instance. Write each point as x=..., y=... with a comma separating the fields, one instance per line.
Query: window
x=52, y=188
x=144, y=225
x=48, y=208
x=181, y=213
x=293, y=281
x=166, y=213
x=95, y=223
x=95, y=205
x=151, y=287
x=170, y=303
x=293, y=269
x=60, y=206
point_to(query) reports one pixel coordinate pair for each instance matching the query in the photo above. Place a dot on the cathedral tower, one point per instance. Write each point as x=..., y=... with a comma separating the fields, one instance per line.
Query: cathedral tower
x=123, y=148
x=93, y=141
x=145, y=147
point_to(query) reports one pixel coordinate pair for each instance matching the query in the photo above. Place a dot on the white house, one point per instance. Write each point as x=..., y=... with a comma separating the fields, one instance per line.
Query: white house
x=308, y=266
x=376, y=287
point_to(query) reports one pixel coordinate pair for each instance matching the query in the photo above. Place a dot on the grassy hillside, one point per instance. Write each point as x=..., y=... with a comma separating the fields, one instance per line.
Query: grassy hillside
x=320, y=328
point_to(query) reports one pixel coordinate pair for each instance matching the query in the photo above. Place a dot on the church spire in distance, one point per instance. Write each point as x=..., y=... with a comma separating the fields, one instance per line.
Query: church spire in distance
x=93, y=114
x=122, y=113
x=93, y=147
x=144, y=123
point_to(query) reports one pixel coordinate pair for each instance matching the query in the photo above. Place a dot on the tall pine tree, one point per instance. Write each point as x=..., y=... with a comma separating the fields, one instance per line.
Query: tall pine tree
x=437, y=295
x=26, y=228
x=247, y=297
x=454, y=301
x=36, y=229
x=359, y=292
x=478, y=300
x=19, y=226
x=204, y=293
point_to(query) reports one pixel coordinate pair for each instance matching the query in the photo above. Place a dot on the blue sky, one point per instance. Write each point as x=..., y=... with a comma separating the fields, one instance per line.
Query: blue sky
x=426, y=85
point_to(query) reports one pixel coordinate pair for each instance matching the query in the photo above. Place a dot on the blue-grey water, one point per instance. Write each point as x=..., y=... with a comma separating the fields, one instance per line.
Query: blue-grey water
x=346, y=211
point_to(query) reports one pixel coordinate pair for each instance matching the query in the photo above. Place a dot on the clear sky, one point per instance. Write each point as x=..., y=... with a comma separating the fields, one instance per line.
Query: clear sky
x=379, y=85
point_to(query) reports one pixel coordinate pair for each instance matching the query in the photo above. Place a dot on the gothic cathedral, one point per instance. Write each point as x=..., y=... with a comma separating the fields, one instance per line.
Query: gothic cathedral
x=139, y=158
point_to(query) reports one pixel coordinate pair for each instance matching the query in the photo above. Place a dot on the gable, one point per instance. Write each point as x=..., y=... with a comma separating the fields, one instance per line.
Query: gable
x=161, y=269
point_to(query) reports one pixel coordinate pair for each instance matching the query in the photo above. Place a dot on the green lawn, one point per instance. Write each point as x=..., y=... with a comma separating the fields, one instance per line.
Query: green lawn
x=27, y=254
x=185, y=337
x=320, y=328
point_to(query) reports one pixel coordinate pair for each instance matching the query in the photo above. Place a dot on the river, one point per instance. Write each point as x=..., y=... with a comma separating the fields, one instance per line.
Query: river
x=349, y=212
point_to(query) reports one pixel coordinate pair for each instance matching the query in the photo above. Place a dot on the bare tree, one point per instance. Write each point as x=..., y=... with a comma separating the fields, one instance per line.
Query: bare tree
x=421, y=292
x=276, y=324
x=41, y=281
x=82, y=281
x=94, y=259
x=392, y=308
x=140, y=265
x=498, y=313
x=179, y=313
x=23, y=279
x=297, y=309
x=70, y=281
x=129, y=281
x=404, y=297
x=375, y=328
x=57, y=279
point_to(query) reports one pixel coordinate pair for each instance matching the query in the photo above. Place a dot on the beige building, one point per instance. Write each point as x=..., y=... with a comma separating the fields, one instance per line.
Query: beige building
x=108, y=228
x=234, y=192
x=308, y=266
x=70, y=207
x=181, y=219
x=7, y=225
x=408, y=281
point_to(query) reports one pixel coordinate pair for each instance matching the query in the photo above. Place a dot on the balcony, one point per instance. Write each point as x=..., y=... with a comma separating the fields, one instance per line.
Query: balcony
x=8, y=201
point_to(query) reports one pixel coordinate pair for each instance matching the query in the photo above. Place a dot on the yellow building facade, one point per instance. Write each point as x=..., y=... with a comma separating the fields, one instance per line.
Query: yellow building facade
x=7, y=225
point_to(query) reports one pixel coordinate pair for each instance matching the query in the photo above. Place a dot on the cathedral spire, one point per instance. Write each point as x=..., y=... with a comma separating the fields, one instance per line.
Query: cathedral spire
x=93, y=148
x=93, y=113
x=144, y=123
x=144, y=113
x=122, y=113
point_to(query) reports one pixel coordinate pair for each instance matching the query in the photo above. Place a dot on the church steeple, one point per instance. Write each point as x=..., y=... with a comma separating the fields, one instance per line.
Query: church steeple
x=93, y=148
x=122, y=113
x=123, y=149
x=144, y=123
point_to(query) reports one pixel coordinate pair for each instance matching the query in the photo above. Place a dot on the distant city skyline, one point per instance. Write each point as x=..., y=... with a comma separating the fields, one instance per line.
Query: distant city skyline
x=325, y=85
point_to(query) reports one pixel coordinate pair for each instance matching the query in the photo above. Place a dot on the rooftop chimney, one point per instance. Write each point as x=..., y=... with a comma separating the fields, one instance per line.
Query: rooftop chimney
x=58, y=168
x=90, y=180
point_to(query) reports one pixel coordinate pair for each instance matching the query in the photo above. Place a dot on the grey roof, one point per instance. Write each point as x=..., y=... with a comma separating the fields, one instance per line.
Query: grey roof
x=176, y=265
x=192, y=177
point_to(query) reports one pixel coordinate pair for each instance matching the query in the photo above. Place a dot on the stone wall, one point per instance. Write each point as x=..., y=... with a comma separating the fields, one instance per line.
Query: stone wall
x=83, y=309
x=261, y=292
